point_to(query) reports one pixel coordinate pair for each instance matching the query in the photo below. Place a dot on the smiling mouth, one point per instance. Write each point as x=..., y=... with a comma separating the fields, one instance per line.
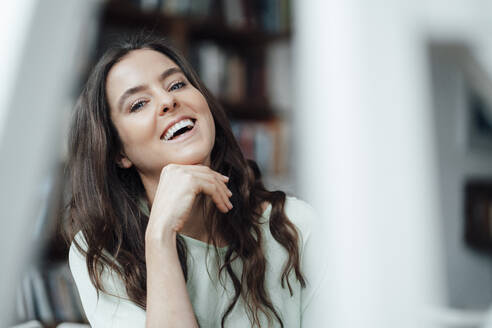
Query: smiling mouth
x=178, y=129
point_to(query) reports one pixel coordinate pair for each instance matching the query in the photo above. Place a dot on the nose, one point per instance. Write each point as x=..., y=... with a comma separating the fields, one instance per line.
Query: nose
x=167, y=103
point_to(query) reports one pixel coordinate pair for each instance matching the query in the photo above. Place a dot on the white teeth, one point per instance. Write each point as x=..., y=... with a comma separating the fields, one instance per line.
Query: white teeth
x=173, y=129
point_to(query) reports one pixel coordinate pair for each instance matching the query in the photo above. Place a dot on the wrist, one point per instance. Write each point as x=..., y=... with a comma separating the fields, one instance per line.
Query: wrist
x=160, y=236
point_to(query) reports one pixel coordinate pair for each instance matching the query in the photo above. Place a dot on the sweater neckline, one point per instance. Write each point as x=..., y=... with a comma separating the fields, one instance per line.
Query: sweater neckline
x=201, y=244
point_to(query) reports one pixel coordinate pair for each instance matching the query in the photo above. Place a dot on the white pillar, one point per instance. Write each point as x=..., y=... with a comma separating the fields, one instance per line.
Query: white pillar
x=366, y=159
x=47, y=39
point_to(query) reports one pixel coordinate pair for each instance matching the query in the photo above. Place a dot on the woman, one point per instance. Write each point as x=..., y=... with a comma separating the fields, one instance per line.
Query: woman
x=170, y=225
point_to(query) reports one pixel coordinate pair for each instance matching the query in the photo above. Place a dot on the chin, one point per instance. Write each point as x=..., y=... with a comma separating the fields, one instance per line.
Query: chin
x=193, y=160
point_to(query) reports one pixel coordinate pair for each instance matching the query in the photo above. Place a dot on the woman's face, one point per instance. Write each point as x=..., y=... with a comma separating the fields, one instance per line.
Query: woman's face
x=160, y=117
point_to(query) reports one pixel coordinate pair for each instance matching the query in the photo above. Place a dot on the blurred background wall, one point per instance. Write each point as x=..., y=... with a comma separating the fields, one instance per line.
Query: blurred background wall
x=459, y=85
x=378, y=113
x=43, y=44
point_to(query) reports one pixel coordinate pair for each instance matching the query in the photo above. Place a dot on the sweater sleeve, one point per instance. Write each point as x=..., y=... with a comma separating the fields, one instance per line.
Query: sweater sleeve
x=112, y=309
x=313, y=262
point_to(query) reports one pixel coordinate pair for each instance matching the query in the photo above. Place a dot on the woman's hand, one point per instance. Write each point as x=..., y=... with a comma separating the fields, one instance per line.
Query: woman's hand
x=179, y=185
x=168, y=302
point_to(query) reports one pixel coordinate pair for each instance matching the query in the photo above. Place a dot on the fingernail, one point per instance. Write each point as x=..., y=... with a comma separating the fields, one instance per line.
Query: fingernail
x=225, y=177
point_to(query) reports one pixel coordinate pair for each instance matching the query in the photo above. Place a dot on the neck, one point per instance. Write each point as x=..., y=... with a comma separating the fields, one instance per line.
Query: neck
x=194, y=227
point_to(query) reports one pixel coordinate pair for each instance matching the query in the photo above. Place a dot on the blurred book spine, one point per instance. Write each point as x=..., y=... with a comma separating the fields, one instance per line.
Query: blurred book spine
x=230, y=76
x=50, y=296
x=149, y=5
x=266, y=15
x=41, y=298
x=192, y=8
x=234, y=13
x=263, y=142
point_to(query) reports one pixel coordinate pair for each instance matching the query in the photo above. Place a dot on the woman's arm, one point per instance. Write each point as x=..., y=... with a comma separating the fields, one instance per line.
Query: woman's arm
x=168, y=302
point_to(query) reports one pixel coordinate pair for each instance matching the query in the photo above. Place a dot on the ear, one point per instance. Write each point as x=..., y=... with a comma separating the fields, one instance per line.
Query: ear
x=123, y=161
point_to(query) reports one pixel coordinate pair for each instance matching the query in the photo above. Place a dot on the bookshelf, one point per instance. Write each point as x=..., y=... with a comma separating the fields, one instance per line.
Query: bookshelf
x=227, y=43
x=234, y=33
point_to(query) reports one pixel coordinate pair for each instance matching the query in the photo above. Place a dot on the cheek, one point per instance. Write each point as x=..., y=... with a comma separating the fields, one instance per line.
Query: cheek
x=203, y=105
x=133, y=132
x=213, y=131
x=211, y=127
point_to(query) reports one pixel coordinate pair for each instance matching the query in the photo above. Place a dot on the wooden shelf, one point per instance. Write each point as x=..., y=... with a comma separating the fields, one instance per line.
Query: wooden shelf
x=249, y=110
x=225, y=35
x=124, y=13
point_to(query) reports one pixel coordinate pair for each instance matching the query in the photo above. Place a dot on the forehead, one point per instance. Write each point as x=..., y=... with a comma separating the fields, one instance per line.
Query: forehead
x=136, y=68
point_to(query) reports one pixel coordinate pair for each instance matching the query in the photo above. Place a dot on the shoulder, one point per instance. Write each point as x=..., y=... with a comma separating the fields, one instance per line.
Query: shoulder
x=76, y=258
x=302, y=215
x=297, y=208
x=109, y=308
x=80, y=240
x=314, y=261
x=77, y=253
x=78, y=265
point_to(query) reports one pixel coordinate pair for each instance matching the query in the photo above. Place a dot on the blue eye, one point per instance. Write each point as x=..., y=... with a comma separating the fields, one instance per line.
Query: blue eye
x=137, y=106
x=177, y=85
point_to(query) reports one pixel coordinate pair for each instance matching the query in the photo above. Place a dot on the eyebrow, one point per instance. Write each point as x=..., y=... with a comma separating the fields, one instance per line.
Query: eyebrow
x=138, y=88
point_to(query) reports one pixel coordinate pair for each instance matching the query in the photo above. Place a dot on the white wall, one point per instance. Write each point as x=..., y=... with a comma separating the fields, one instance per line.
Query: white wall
x=49, y=42
x=14, y=24
x=368, y=157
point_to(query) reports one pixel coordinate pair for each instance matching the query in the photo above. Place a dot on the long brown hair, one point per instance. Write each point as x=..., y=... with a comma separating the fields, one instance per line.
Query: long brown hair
x=105, y=202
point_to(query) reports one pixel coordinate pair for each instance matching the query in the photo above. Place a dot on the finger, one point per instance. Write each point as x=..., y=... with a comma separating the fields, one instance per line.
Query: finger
x=220, y=188
x=224, y=189
x=215, y=178
x=207, y=170
x=226, y=194
x=210, y=188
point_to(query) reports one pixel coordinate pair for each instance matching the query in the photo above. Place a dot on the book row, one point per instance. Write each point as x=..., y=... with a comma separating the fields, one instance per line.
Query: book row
x=267, y=15
x=229, y=75
x=265, y=142
x=49, y=296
